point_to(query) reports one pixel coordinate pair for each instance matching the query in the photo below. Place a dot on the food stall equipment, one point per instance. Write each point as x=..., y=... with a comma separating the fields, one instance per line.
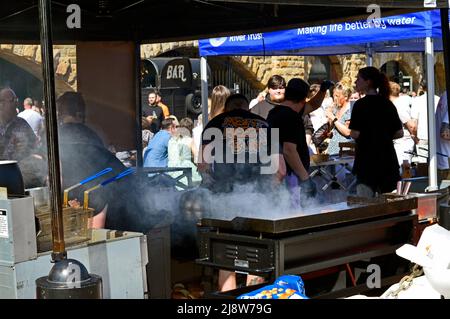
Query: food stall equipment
x=308, y=241
x=100, y=255
x=23, y=257
x=69, y=279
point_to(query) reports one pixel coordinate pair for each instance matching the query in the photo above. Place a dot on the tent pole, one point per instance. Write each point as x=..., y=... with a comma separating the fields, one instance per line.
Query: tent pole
x=51, y=124
x=432, y=161
x=204, y=88
x=446, y=49
x=138, y=102
x=369, y=55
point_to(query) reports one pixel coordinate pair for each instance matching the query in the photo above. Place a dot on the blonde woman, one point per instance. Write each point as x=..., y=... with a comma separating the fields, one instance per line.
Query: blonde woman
x=218, y=97
x=181, y=151
x=339, y=118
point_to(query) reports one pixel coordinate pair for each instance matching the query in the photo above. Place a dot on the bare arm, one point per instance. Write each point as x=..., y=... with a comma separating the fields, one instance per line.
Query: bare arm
x=342, y=128
x=99, y=220
x=308, y=139
x=411, y=125
x=194, y=149
x=149, y=118
x=314, y=103
x=293, y=159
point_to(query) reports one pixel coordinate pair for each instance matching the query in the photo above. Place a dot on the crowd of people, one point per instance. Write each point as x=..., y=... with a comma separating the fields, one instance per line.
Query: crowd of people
x=327, y=119
x=388, y=127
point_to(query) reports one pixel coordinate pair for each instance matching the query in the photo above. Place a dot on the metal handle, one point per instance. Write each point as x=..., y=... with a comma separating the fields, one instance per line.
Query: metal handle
x=205, y=262
x=438, y=153
x=84, y=181
x=119, y=176
x=90, y=178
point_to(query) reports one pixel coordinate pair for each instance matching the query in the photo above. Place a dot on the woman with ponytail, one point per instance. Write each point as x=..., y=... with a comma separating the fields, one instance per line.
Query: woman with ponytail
x=374, y=125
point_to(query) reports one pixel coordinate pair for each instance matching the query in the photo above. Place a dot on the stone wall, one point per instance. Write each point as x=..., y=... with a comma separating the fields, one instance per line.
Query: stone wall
x=261, y=69
x=344, y=68
x=28, y=57
x=257, y=70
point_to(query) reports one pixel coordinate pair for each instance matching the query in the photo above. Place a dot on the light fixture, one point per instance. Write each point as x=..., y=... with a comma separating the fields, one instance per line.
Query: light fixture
x=391, y=44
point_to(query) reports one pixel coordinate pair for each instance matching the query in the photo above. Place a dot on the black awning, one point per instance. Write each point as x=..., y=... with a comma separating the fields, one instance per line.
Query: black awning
x=345, y=3
x=170, y=20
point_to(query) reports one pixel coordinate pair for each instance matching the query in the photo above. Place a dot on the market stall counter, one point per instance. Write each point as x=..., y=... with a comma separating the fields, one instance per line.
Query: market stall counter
x=310, y=241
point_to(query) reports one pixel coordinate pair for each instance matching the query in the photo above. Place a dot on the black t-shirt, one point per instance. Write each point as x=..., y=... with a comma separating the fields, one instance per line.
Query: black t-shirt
x=377, y=120
x=154, y=110
x=263, y=108
x=17, y=140
x=242, y=156
x=78, y=133
x=82, y=154
x=291, y=129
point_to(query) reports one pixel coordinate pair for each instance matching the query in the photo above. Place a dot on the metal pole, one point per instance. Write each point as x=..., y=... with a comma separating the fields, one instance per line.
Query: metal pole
x=446, y=49
x=204, y=88
x=369, y=54
x=138, y=101
x=432, y=158
x=51, y=124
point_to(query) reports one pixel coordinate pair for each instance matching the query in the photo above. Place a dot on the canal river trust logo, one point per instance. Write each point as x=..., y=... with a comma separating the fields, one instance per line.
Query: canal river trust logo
x=216, y=42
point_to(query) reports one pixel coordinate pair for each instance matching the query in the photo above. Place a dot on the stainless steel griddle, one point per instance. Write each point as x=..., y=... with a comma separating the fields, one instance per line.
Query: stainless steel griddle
x=310, y=241
x=353, y=210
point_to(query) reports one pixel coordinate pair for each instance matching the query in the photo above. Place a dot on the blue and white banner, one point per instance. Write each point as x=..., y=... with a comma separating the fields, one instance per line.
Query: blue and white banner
x=386, y=34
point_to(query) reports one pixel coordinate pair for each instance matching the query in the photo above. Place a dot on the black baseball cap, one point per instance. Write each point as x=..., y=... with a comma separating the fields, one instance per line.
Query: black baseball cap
x=296, y=90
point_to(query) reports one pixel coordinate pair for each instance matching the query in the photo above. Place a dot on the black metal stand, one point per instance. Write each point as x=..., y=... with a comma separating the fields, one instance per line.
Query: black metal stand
x=68, y=278
x=446, y=48
x=51, y=125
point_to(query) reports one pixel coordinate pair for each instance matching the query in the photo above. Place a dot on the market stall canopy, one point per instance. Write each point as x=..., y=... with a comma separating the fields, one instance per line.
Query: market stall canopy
x=359, y=3
x=156, y=21
x=401, y=33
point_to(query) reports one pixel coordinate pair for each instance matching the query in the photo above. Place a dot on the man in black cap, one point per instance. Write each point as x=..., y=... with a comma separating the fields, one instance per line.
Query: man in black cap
x=293, y=146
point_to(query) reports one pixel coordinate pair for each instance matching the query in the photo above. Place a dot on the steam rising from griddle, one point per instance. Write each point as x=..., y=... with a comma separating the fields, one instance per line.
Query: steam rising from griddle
x=247, y=201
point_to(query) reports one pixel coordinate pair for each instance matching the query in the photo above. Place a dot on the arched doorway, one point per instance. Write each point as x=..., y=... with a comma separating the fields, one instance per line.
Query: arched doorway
x=397, y=73
x=22, y=82
x=227, y=71
x=320, y=70
x=323, y=68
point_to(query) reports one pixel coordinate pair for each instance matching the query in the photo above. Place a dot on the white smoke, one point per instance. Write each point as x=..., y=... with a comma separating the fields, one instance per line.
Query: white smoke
x=247, y=201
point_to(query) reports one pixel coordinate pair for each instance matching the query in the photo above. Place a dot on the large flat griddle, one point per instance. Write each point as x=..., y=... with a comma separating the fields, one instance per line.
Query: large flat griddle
x=344, y=212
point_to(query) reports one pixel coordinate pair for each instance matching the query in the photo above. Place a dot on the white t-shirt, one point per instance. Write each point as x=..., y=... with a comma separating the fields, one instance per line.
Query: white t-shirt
x=419, y=112
x=318, y=118
x=404, y=113
x=252, y=103
x=443, y=146
x=33, y=118
x=406, y=99
x=197, y=136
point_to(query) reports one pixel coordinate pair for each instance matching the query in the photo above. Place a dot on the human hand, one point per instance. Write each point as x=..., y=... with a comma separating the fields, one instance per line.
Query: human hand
x=329, y=114
x=327, y=84
x=145, y=123
x=445, y=131
x=308, y=189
